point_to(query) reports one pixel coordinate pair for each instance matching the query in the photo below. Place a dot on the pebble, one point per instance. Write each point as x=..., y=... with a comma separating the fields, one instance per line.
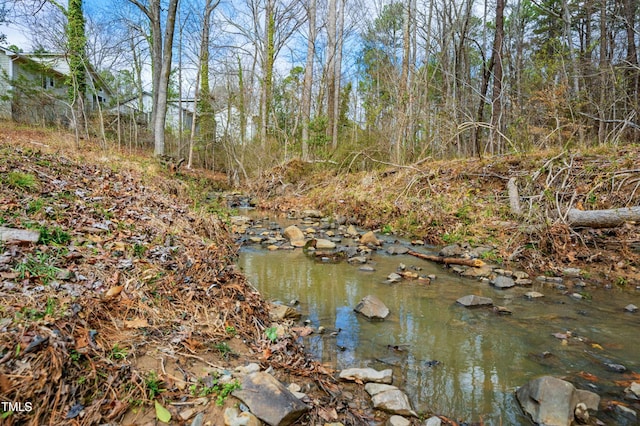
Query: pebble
x=631, y=308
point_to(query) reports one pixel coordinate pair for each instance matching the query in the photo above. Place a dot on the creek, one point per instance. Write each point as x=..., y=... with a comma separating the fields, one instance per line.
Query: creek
x=451, y=360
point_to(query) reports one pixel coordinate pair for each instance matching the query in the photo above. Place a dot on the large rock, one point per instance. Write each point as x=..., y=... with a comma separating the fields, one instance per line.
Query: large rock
x=503, y=282
x=433, y=421
x=393, y=401
x=372, y=307
x=282, y=312
x=479, y=272
x=397, y=421
x=269, y=400
x=375, y=388
x=471, y=300
x=397, y=249
x=551, y=401
x=367, y=375
x=293, y=233
x=369, y=238
x=314, y=214
x=322, y=244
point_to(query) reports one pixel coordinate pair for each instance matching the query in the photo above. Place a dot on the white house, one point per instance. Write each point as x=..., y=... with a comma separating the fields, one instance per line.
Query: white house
x=141, y=106
x=34, y=87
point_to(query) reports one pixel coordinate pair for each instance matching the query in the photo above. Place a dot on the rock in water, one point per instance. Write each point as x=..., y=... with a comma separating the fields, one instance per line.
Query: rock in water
x=472, y=300
x=293, y=233
x=368, y=375
x=369, y=238
x=503, y=282
x=372, y=307
x=322, y=244
x=393, y=401
x=269, y=400
x=552, y=402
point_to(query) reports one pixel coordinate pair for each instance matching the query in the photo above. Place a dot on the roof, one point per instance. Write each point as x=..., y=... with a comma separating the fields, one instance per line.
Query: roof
x=56, y=63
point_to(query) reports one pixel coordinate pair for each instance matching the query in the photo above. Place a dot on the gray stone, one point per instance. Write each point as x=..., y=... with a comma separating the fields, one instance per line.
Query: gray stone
x=393, y=277
x=483, y=271
x=293, y=233
x=369, y=238
x=198, y=420
x=533, y=295
x=571, y=272
x=281, y=312
x=451, y=250
x=13, y=234
x=322, y=244
x=397, y=421
x=366, y=268
x=552, y=402
x=520, y=275
x=357, y=259
x=631, y=308
x=480, y=250
x=247, y=369
x=239, y=220
x=232, y=417
x=625, y=416
x=352, y=231
x=590, y=399
x=397, y=249
x=372, y=307
x=314, y=214
x=367, y=375
x=502, y=281
x=523, y=281
x=269, y=400
x=393, y=401
x=433, y=421
x=633, y=391
x=472, y=300
x=375, y=388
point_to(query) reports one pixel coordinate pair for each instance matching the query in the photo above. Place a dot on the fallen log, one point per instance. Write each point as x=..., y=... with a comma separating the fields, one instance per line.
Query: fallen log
x=22, y=235
x=602, y=218
x=476, y=263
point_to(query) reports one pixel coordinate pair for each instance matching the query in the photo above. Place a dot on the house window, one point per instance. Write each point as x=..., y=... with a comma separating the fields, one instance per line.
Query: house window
x=48, y=82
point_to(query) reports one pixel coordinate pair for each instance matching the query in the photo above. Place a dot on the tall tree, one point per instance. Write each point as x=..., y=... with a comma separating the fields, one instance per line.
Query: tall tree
x=77, y=41
x=161, y=56
x=308, y=78
x=496, y=98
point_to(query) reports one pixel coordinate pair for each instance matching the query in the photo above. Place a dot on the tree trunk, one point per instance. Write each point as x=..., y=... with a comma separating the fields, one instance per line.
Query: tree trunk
x=330, y=73
x=496, y=98
x=337, y=75
x=476, y=263
x=308, y=79
x=268, y=59
x=603, y=218
x=76, y=42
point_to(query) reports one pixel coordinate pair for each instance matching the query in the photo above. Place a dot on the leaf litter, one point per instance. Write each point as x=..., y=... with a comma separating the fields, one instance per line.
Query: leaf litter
x=127, y=277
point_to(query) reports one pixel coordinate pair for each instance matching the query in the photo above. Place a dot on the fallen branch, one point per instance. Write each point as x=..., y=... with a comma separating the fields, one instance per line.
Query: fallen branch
x=602, y=218
x=476, y=263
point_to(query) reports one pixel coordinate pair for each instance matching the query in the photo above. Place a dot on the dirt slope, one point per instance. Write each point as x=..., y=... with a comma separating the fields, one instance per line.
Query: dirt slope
x=129, y=296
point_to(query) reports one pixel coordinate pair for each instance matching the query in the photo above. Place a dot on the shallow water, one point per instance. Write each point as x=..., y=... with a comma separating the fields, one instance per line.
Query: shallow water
x=482, y=357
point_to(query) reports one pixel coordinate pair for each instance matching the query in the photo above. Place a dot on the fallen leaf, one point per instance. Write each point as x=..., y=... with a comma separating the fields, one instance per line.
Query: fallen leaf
x=266, y=354
x=162, y=413
x=302, y=331
x=596, y=346
x=328, y=414
x=113, y=291
x=136, y=323
x=588, y=376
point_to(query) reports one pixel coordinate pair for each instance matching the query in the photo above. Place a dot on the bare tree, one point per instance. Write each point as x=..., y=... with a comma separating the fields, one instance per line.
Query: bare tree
x=308, y=78
x=161, y=57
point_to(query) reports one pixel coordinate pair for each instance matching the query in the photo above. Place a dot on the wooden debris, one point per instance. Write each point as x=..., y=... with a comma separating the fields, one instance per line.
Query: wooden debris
x=476, y=263
x=22, y=235
x=610, y=218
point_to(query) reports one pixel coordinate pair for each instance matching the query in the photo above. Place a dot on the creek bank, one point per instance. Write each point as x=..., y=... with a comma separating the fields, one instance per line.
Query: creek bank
x=262, y=231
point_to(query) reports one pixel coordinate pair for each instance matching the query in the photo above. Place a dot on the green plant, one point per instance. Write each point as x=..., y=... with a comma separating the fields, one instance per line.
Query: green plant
x=53, y=235
x=139, y=250
x=50, y=308
x=387, y=229
x=271, y=333
x=621, y=281
x=223, y=348
x=19, y=180
x=39, y=265
x=226, y=390
x=153, y=384
x=35, y=206
x=230, y=330
x=118, y=353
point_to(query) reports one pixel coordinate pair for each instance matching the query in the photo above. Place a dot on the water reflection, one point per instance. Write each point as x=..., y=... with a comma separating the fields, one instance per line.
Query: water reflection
x=482, y=357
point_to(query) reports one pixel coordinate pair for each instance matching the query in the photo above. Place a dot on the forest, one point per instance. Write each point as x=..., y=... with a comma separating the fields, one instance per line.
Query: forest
x=338, y=80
